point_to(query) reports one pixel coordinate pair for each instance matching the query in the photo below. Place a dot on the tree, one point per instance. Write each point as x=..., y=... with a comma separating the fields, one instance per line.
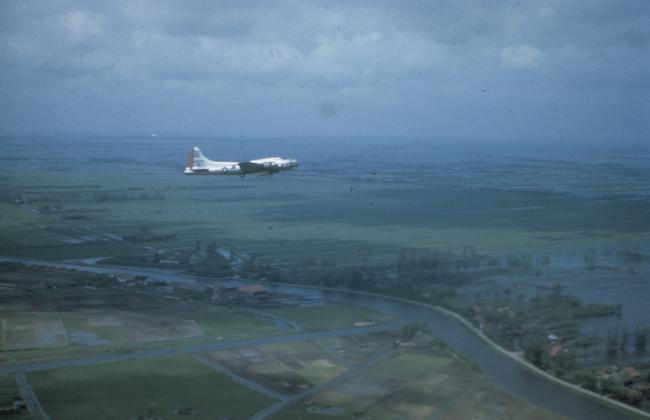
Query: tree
x=640, y=338
x=211, y=248
x=556, y=291
x=535, y=352
x=612, y=343
x=623, y=342
x=585, y=379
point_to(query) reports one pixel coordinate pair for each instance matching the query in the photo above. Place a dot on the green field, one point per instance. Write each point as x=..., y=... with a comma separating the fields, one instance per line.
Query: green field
x=288, y=368
x=143, y=387
x=308, y=220
x=8, y=391
x=229, y=325
x=235, y=324
x=409, y=366
x=8, y=388
x=295, y=220
x=329, y=317
x=316, y=366
x=76, y=251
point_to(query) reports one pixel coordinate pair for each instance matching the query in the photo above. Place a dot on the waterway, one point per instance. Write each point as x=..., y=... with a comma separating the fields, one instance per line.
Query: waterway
x=498, y=369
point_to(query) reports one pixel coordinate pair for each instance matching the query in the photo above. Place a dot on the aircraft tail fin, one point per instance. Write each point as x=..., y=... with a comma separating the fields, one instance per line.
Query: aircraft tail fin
x=196, y=158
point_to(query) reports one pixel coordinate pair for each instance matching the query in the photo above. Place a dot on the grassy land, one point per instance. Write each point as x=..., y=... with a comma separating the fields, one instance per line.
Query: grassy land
x=76, y=251
x=8, y=388
x=20, y=227
x=74, y=352
x=239, y=326
x=156, y=386
x=307, y=219
x=329, y=317
x=228, y=326
x=8, y=391
x=235, y=324
x=315, y=365
x=288, y=368
x=295, y=219
x=409, y=366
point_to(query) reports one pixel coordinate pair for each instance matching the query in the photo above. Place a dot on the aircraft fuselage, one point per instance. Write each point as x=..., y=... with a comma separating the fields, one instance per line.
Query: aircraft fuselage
x=197, y=164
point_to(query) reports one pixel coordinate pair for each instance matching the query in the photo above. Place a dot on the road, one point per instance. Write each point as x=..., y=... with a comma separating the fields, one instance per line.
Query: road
x=34, y=407
x=347, y=375
x=193, y=349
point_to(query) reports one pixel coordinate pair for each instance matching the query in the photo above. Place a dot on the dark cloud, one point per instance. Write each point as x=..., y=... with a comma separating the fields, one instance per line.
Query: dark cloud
x=441, y=68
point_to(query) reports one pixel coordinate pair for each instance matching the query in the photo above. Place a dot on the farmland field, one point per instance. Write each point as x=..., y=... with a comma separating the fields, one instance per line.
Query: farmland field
x=350, y=216
x=358, y=219
x=414, y=384
x=332, y=316
x=72, y=313
x=286, y=368
x=155, y=387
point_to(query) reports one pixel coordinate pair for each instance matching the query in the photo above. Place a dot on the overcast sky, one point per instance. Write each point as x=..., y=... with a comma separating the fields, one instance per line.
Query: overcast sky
x=558, y=70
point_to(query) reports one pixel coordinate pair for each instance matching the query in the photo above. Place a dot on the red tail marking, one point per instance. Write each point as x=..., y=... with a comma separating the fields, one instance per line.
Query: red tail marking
x=190, y=159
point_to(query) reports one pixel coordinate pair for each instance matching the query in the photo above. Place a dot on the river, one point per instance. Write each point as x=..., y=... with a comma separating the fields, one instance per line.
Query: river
x=499, y=370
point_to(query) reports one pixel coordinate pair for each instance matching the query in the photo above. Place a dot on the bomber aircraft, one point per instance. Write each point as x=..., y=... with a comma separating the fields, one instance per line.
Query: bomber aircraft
x=197, y=164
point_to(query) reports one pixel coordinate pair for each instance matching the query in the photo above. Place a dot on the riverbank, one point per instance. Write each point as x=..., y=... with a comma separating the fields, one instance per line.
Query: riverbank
x=503, y=369
x=511, y=355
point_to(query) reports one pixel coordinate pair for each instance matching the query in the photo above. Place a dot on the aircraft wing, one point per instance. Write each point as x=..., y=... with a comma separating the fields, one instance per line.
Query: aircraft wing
x=252, y=167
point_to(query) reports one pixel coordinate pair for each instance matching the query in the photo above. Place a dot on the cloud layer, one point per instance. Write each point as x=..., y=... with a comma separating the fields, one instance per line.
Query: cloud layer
x=521, y=69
